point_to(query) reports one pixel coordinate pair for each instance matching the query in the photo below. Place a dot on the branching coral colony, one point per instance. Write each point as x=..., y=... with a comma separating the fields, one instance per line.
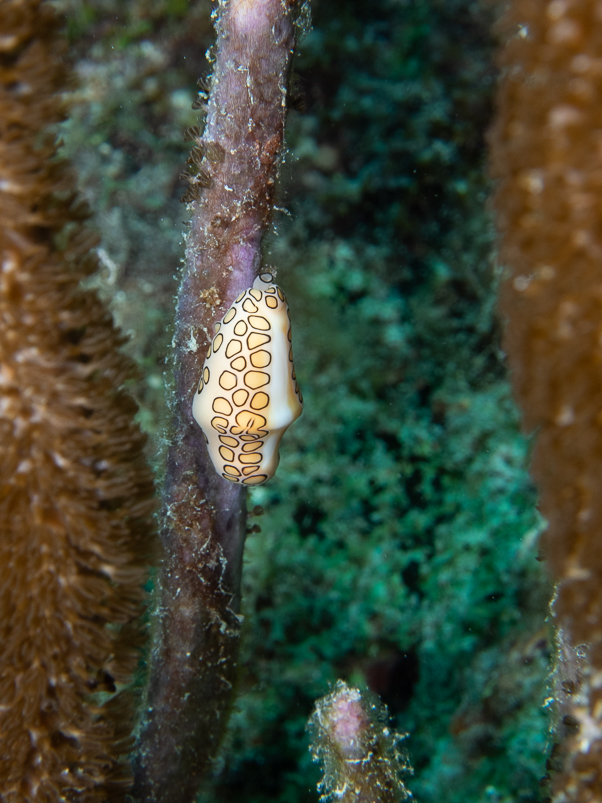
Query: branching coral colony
x=76, y=532
x=547, y=153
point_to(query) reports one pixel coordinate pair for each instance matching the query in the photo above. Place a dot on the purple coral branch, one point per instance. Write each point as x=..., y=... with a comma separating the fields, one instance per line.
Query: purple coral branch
x=360, y=755
x=192, y=666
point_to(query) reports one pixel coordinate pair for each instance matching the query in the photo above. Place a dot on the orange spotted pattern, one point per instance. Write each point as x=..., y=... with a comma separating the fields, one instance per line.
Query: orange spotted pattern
x=248, y=394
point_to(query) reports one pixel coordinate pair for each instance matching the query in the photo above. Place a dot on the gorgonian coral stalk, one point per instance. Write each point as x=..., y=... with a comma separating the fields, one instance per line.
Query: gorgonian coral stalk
x=359, y=752
x=75, y=490
x=234, y=164
x=547, y=153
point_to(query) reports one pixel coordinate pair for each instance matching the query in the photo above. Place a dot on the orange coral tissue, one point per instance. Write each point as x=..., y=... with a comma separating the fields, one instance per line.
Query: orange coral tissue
x=75, y=491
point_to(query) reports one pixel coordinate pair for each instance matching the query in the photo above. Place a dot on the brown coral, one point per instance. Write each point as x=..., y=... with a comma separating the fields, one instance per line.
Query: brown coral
x=75, y=490
x=547, y=153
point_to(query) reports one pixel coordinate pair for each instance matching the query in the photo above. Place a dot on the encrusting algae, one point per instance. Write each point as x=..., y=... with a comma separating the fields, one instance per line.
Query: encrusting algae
x=76, y=532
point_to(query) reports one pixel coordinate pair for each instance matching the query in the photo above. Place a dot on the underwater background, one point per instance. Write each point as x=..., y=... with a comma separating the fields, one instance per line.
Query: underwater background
x=396, y=547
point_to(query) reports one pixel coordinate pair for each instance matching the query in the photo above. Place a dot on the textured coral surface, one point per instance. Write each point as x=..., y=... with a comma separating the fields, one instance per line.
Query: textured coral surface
x=193, y=663
x=75, y=490
x=547, y=151
x=351, y=737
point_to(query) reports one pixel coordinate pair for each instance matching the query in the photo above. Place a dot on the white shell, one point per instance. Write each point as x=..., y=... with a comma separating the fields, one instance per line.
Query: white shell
x=248, y=394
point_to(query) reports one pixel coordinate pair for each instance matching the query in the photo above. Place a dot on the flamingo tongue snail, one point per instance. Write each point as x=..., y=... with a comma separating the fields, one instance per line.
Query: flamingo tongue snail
x=248, y=394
